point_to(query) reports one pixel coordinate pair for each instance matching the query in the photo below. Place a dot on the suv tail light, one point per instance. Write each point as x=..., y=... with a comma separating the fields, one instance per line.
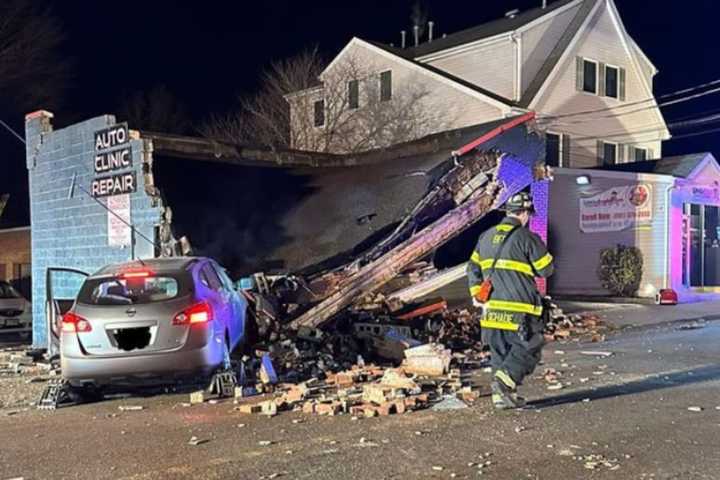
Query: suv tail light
x=75, y=323
x=198, y=313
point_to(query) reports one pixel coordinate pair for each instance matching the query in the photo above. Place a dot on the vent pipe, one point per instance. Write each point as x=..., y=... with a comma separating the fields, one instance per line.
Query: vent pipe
x=430, y=30
x=402, y=38
x=544, y=4
x=416, y=31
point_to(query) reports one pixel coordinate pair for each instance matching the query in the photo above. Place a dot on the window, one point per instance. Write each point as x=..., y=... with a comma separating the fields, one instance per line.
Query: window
x=553, y=146
x=319, y=113
x=589, y=76
x=353, y=94
x=611, y=82
x=609, y=153
x=640, y=154
x=385, y=86
x=132, y=291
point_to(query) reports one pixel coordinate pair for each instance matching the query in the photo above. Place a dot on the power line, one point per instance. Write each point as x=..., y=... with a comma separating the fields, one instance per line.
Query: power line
x=15, y=134
x=651, y=99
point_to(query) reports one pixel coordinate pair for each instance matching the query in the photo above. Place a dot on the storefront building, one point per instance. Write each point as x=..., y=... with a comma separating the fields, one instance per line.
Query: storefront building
x=667, y=208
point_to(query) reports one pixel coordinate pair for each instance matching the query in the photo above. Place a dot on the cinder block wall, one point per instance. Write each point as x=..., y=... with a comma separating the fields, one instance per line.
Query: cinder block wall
x=72, y=231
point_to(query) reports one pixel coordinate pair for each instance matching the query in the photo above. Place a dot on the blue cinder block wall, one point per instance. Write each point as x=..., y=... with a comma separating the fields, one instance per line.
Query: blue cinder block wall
x=72, y=231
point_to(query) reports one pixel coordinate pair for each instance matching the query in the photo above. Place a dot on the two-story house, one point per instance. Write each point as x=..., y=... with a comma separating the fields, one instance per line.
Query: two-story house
x=572, y=62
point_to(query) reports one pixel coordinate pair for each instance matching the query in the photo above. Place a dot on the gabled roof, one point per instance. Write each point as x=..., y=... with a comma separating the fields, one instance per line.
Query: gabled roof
x=680, y=166
x=486, y=30
x=557, y=53
x=491, y=98
x=400, y=53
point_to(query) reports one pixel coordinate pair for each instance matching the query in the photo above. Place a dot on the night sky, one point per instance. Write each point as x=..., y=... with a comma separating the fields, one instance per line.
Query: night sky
x=208, y=52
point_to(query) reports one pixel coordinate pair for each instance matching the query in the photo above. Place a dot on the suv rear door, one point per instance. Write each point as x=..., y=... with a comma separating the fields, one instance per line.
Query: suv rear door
x=61, y=288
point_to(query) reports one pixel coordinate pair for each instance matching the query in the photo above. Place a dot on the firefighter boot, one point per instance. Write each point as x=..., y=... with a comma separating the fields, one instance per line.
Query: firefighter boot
x=504, y=392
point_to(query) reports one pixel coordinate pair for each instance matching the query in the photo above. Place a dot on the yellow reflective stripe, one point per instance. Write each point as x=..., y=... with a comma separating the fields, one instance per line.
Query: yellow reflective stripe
x=543, y=262
x=508, y=265
x=476, y=258
x=516, y=307
x=506, y=379
x=499, y=325
x=474, y=290
x=504, y=227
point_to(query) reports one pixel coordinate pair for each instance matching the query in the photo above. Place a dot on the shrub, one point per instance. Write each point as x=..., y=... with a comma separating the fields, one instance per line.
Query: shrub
x=621, y=269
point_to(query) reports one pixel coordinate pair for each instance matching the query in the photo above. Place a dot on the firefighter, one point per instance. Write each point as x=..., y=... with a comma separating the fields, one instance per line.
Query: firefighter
x=501, y=274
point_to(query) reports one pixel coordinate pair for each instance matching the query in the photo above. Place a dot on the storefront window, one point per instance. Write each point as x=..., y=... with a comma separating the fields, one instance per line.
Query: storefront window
x=703, y=240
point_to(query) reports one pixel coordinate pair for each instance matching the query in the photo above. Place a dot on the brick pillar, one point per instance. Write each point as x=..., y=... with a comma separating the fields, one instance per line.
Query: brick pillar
x=539, y=223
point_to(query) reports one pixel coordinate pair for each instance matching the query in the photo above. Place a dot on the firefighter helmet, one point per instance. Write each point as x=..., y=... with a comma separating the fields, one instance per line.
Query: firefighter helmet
x=520, y=202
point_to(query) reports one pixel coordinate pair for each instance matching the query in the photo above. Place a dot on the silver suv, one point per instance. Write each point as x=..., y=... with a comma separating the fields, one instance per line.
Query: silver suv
x=147, y=322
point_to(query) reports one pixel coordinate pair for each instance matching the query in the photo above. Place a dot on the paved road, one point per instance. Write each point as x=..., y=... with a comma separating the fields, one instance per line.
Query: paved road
x=632, y=412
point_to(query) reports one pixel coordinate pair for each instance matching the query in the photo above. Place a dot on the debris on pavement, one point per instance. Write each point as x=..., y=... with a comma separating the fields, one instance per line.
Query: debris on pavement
x=596, y=353
x=130, y=408
x=194, y=441
x=695, y=409
x=562, y=326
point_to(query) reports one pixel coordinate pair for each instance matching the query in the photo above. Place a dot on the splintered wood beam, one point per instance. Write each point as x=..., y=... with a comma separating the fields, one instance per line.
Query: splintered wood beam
x=203, y=149
x=377, y=273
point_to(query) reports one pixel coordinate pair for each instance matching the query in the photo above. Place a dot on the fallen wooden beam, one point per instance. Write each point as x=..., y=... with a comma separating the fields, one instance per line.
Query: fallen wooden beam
x=426, y=287
x=375, y=274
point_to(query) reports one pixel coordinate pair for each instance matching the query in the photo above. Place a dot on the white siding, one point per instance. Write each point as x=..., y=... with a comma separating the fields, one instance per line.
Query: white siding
x=539, y=41
x=490, y=65
x=444, y=107
x=576, y=268
x=601, y=42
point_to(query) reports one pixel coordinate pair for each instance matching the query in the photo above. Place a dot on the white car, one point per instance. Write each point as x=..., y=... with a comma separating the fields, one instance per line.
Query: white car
x=15, y=311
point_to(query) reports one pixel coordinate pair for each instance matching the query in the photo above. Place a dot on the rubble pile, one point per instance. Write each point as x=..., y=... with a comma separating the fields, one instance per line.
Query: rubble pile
x=22, y=377
x=429, y=373
x=561, y=326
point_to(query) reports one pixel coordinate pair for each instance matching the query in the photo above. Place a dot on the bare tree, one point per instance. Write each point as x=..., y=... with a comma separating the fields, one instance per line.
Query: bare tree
x=356, y=114
x=33, y=73
x=264, y=117
x=157, y=110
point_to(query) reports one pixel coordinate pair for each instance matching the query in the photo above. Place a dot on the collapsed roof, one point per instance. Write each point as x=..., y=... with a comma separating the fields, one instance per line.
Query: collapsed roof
x=295, y=217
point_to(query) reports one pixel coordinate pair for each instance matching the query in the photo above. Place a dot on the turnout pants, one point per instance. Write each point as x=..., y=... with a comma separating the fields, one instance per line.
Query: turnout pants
x=517, y=353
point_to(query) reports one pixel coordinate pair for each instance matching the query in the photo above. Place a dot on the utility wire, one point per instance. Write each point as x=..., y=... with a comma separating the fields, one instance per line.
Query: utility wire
x=15, y=134
x=651, y=99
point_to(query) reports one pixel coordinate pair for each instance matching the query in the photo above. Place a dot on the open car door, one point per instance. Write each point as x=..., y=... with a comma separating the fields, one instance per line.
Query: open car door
x=61, y=289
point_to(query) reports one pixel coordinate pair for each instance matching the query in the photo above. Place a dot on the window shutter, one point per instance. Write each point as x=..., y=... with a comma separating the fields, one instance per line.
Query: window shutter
x=601, y=152
x=621, y=86
x=601, y=79
x=580, y=78
x=622, y=149
x=565, y=161
x=631, y=154
x=649, y=155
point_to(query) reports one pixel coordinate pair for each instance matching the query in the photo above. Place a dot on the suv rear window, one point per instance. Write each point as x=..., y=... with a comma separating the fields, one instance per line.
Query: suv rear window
x=133, y=291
